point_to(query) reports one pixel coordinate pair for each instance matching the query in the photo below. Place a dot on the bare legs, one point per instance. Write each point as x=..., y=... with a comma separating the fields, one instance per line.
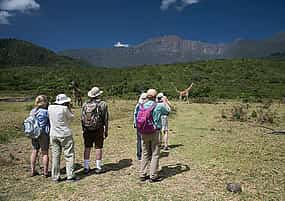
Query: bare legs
x=45, y=159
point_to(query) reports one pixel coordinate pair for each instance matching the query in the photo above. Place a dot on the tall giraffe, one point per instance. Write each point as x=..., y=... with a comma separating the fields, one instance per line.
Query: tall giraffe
x=184, y=93
x=76, y=92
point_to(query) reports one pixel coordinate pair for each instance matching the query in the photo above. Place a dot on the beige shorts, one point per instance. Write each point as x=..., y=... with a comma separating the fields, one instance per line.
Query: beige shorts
x=164, y=123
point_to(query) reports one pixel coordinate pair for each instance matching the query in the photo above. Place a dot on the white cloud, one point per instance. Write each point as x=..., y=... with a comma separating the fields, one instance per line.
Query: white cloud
x=4, y=15
x=19, y=5
x=166, y=3
x=182, y=4
x=14, y=6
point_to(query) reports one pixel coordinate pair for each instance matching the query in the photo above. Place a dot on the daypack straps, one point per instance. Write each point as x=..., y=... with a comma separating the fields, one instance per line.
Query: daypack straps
x=150, y=108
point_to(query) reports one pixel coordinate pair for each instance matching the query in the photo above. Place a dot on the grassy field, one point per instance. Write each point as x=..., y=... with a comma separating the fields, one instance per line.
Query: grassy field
x=207, y=152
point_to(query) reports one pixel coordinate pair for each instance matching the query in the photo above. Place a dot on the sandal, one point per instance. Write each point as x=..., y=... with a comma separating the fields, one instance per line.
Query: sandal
x=35, y=173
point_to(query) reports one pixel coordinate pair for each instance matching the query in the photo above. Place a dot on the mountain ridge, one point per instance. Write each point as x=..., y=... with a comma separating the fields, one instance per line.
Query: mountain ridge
x=172, y=49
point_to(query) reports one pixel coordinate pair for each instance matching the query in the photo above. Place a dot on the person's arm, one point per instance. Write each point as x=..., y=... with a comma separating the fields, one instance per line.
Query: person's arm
x=69, y=113
x=105, y=119
x=167, y=103
x=165, y=109
x=136, y=114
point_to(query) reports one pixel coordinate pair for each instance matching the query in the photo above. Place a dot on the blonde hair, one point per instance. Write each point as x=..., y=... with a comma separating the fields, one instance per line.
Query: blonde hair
x=41, y=101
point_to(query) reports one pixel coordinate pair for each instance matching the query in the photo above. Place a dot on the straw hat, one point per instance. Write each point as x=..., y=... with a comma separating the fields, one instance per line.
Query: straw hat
x=94, y=92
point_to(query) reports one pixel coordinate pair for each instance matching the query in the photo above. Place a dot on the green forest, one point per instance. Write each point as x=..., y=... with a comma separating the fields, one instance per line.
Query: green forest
x=27, y=69
x=231, y=79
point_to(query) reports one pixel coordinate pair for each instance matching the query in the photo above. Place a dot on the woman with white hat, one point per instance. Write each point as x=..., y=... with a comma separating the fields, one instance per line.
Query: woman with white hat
x=60, y=115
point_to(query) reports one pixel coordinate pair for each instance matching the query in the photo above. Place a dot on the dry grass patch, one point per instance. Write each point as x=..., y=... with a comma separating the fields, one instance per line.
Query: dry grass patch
x=207, y=152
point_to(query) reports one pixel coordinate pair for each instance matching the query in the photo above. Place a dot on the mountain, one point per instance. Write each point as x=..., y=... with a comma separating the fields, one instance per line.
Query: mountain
x=15, y=52
x=173, y=49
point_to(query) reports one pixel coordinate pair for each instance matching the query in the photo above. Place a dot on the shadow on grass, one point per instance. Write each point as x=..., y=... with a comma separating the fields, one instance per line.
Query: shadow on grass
x=172, y=170
x=173, y=146
x=77, y=166
x=163, y=154
x=124, y=163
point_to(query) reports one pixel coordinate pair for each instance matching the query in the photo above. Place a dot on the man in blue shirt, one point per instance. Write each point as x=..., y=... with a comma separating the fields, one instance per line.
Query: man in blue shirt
x=151, y=142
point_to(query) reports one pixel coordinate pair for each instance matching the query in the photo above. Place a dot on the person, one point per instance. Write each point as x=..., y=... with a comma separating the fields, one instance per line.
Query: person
x=150, y=142
x=161, y=99
x=142, y=99
x=60, y=115
x=94, y=127
x=42, y=142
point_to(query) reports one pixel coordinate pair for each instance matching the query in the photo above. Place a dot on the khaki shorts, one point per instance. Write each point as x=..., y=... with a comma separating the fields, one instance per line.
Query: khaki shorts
x=164, y=123
x=94, y=137
x=42, y=142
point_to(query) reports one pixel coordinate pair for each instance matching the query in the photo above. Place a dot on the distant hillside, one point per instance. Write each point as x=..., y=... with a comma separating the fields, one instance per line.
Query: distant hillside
x=15, y=52
x=172, y=49
x=229, y=78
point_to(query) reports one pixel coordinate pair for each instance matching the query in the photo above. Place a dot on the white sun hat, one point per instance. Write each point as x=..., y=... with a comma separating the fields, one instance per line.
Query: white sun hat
x=62, y=98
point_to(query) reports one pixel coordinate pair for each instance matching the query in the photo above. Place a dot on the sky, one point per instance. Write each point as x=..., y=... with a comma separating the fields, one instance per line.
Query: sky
x=72, y=24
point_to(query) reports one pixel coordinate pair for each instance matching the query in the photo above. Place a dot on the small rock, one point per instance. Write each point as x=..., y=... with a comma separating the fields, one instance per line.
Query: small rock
x=234, y=187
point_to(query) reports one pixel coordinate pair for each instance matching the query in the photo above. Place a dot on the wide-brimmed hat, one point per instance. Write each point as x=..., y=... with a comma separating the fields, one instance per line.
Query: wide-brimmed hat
x=62, y=98
x=143, y=97
x=94, y=92
x=160, y=95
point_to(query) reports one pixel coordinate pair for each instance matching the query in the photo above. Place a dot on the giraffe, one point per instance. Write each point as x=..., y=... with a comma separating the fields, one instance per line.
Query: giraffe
x=76, y=92
x=184, y=93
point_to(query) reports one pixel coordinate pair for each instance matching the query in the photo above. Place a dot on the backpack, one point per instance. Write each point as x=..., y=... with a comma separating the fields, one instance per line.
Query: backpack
x=91, y=116
x=144, y=120
x=32, y=127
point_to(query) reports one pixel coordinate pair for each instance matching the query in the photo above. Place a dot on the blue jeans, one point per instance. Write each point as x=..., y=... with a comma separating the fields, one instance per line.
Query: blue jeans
x=139, y=146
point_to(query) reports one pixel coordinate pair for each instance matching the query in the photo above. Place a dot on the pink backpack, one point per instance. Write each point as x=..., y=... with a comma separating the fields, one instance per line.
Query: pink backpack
x=144, y=120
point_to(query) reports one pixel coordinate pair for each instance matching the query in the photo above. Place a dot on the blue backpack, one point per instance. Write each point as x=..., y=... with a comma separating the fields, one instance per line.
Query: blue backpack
x=32, y=127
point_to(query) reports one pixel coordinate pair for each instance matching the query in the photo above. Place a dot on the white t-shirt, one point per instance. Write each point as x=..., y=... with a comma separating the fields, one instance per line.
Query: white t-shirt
x=60, y=117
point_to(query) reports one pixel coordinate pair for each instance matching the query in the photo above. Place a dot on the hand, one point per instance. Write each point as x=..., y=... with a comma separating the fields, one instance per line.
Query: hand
x=105, y=135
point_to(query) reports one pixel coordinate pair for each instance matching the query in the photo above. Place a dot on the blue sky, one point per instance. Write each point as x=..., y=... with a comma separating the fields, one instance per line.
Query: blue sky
x=69, y=24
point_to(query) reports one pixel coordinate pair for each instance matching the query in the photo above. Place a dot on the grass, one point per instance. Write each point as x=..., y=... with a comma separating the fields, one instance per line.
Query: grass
x=207, y=152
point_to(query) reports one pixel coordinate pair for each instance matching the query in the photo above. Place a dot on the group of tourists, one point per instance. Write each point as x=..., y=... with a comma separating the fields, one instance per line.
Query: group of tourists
x=150, y=120
x=54, y=121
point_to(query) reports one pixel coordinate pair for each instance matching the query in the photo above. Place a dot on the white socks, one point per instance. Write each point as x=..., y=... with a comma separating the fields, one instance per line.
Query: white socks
x=86, y=164
x=99, y=164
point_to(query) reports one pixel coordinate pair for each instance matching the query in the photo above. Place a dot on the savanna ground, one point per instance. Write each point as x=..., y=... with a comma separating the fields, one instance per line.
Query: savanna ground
x=207, y=152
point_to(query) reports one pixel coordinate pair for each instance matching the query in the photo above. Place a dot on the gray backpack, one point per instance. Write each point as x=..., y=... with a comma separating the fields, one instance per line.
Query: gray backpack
x=91, y=116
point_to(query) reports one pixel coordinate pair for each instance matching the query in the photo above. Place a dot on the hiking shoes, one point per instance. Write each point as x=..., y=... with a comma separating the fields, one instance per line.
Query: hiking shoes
x=86, y=171
x=98, y=171
x=144, y=178
x=156, y=179
x=166, y=148
x=35, y=173
x=73, y=179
